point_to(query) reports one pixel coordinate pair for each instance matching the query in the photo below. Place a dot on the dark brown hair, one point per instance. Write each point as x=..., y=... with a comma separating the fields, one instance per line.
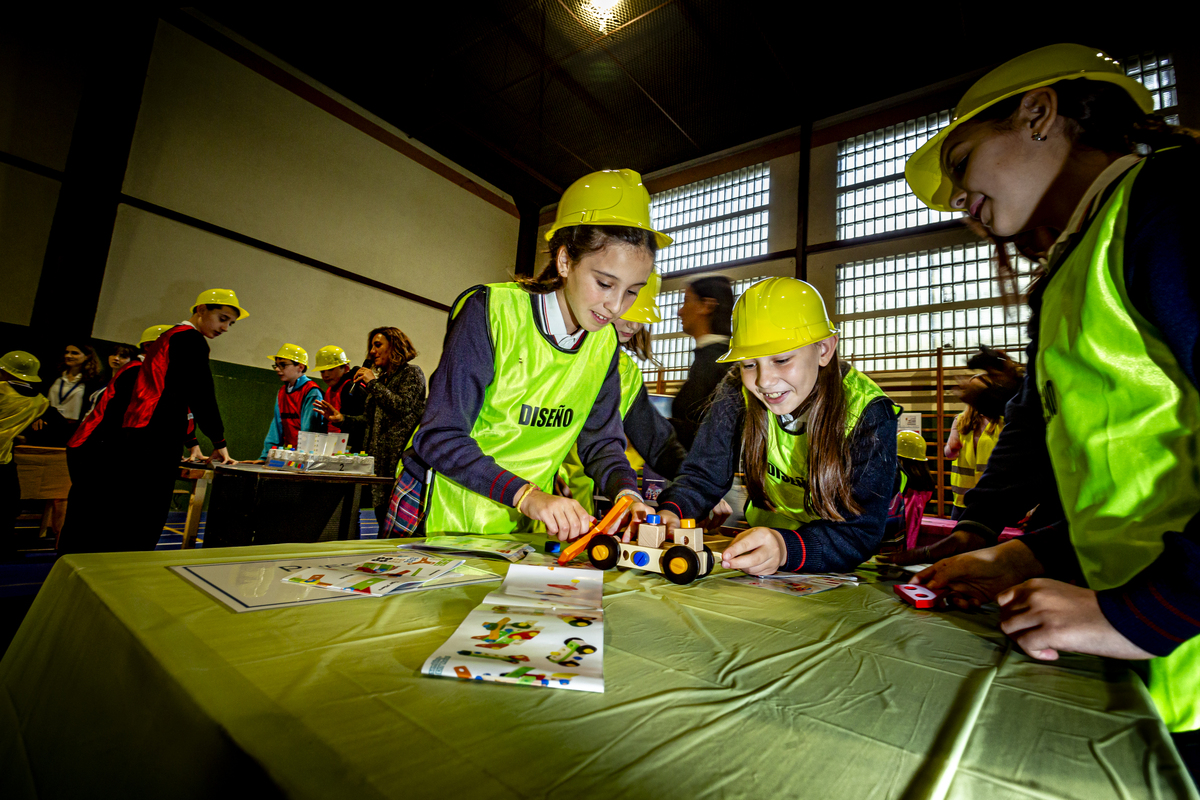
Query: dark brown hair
x=830, y=491
x=989, y=391
x=91, y=362
x=580, y=241
x=402, y=350
x=1099, y=116
x=125, y=351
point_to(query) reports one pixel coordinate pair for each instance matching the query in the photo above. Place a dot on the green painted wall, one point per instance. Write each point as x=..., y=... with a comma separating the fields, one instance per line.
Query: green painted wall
x=246, y=396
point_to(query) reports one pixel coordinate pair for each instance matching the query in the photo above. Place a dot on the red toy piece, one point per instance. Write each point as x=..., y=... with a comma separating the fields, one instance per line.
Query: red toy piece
x=917, y=596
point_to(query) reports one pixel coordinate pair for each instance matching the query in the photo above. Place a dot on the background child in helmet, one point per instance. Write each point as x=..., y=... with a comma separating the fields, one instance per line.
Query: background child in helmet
x=295, y=405
x=334, y=366
x=1102, y=436
x=914, y=487
x=93, y=485
x=818, y=439
x=650, y=436
x=527, y=369
x=18, y=408
x=174, y=381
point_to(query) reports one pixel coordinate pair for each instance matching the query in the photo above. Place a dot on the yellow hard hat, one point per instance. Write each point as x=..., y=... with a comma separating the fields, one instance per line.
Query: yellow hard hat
x=329, y=357
x=220, y=297
x=152, y=333
x=1037, y=68
x=909, y=444
x=645, y=307
x=21, y=365
x=775, y=316
x=608, y=197
x=292, y=352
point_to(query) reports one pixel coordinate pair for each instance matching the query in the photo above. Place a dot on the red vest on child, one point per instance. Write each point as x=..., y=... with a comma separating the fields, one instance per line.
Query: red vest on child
x=334, y=397
x=151, y=379
x=96, y=415
x=290, y=405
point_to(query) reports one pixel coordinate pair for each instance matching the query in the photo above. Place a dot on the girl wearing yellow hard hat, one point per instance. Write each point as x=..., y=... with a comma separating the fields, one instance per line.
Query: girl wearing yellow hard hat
x=527, y=369
x=817, y=437
x=296, y=406
x=914, y=488
x=650, y=437
x=1103, y=434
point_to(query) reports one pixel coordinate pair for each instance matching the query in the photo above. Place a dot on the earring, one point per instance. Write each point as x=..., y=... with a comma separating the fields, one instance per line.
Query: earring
x=1038, y=138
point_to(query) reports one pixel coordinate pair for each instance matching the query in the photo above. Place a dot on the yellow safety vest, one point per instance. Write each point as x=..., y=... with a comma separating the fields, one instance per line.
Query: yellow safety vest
x=1122, y=426
x=786, y=479
x=972, y=460
x=532, y=412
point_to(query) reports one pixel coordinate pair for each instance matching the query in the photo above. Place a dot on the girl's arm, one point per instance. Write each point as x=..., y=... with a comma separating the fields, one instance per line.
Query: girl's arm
x=954, y=443
x=456, y=391
x=825, y=546
x=601, y=441
x=707, y=473
x=653, y=436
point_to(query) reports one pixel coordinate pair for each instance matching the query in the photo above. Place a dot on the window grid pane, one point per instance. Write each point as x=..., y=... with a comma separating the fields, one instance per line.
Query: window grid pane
x=674, y=351
x=925, y=282
x=715, y=220
x=870, y=169
x=1157, y=73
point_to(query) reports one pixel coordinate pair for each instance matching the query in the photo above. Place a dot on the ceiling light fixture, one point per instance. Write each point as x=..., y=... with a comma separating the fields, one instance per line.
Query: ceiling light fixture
x=600, y=12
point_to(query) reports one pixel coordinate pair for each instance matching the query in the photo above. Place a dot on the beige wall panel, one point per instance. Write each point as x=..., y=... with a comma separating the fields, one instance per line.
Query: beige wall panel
x=217, y=141
x=785, y=187
x=41, y=82
x=27, y=204
x=822, y=195
x=156, y=268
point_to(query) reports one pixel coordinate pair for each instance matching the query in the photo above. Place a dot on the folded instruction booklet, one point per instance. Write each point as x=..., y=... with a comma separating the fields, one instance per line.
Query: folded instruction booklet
x=378, y=576
x=529, y=642
x=482, y=546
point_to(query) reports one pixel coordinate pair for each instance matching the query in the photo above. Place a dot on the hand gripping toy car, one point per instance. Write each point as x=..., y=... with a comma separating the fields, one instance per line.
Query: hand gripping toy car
x=682, y=561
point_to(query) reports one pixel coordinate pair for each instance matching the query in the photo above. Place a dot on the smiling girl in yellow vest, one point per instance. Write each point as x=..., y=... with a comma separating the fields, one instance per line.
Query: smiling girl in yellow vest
x=1105, y=426
x=528, y=369
x=817, y=436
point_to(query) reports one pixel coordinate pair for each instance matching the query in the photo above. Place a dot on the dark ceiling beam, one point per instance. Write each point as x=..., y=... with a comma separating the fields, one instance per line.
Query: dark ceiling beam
x=634, y=80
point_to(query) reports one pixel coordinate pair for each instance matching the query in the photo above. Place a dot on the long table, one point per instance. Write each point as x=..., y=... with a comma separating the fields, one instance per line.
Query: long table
x=125, y=676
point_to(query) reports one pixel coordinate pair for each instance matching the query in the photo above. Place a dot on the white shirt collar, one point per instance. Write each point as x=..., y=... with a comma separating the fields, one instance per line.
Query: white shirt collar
x=188, y=322
x=711, y=338
x=556, y=326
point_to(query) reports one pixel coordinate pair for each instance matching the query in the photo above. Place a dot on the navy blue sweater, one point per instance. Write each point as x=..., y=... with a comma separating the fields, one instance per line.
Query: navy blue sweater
x=821, y=545
x=1160, y=607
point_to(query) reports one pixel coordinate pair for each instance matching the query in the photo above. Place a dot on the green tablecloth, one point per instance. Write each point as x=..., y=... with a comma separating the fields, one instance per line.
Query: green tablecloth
x=124, y=675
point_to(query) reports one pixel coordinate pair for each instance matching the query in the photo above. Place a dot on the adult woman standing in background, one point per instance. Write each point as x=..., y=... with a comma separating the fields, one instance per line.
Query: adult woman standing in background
x=68, y=396
x=395, y=390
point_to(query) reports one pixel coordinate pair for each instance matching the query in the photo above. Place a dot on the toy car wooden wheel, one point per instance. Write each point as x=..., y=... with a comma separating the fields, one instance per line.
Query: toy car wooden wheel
x=583, y=649
x=712, y=562
x=680, y=565
x=603, y=551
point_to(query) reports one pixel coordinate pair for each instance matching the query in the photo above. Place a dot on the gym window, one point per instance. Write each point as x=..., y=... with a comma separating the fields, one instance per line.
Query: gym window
x=714, y=221
x=873, y=196
x=672, y=348
x=929, y=282
x=1157, y=73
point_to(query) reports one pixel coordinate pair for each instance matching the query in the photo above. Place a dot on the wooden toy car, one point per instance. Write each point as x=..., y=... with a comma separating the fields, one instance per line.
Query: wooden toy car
x=681, y=562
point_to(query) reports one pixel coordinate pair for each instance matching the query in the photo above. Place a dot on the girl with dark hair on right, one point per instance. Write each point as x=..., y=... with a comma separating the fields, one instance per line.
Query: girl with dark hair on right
x=1102, y=437
x=527, y=369
x=395, y=401
x=817, y=438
